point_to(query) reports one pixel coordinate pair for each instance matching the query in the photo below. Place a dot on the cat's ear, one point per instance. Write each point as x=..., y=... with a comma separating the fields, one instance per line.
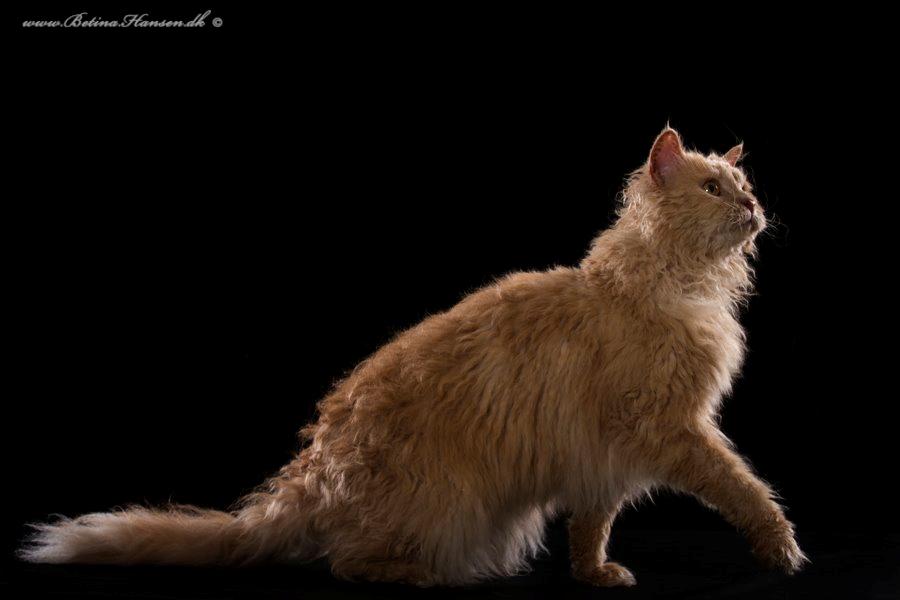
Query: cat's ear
x=665, y=155
x=735, y=154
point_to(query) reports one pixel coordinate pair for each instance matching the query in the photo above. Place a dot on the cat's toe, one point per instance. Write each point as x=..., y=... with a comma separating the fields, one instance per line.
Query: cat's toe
x=785, y=555
x=608, y=574
x=791, y=558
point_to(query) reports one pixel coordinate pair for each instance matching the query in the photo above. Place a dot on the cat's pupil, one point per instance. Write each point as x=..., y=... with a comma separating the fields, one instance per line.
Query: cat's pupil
x=711, y=187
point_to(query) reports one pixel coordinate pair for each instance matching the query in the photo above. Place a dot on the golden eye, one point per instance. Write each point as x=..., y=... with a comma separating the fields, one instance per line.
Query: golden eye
x=712, y=187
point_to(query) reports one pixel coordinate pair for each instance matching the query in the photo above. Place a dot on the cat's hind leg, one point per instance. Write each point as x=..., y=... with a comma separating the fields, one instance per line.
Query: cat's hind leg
x=588, y=538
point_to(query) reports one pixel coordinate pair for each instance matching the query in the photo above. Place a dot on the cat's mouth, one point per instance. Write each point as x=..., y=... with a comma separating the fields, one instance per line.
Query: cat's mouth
x=750, y=218
x=750, y=223
x=754, y=222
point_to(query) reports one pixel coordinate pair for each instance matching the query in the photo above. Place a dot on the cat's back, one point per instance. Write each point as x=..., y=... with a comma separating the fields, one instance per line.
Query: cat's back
x=510, y=344
x=522, y=307
x=524, y=319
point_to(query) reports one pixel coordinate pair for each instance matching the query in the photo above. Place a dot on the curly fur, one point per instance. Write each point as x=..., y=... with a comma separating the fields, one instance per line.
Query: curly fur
x=440, y=457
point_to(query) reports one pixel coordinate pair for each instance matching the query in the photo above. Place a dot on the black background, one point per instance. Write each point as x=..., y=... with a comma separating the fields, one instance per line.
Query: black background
x=203, y=230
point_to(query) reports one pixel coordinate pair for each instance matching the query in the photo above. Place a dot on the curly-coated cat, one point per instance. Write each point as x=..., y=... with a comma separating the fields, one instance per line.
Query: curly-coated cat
x=579, y=389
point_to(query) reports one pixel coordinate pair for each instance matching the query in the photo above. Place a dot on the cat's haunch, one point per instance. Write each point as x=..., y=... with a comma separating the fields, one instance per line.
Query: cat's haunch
x=440, y=457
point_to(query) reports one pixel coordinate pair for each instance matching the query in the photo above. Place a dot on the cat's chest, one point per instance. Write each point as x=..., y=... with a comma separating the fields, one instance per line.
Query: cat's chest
x=706, y=350
x=691, y=353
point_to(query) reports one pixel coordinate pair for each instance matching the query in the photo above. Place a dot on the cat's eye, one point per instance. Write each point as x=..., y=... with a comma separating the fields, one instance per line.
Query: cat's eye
x=712, y=187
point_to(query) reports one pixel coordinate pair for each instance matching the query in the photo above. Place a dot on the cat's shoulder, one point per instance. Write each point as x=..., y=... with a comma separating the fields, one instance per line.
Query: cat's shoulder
x=540, y=290
x=538, y=281
x=559, y=287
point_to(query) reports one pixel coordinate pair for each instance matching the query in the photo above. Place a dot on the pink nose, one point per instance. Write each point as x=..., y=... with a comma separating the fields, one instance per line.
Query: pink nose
x=747, y=203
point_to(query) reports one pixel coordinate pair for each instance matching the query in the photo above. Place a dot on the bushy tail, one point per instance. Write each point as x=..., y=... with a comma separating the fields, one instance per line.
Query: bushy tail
x=178, y=534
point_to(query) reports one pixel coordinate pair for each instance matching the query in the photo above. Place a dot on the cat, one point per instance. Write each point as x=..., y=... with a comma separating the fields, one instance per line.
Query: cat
x=438, y=459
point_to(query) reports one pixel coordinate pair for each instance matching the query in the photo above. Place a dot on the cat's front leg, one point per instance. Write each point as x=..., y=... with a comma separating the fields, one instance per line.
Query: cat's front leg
x=703, y=464
x=588, y=537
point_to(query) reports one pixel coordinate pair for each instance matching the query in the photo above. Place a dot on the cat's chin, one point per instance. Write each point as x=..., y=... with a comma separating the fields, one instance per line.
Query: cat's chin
x=741, y=236
x=749, y=229
x=756, y=223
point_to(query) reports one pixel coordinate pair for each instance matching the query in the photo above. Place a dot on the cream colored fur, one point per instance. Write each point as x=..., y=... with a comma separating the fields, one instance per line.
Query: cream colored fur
x=439, y=459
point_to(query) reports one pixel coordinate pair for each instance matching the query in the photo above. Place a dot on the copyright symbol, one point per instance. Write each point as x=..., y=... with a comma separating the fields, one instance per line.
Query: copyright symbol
x=217, y=22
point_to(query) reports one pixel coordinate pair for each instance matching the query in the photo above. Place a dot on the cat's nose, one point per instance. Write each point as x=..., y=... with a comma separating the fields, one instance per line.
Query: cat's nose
x=747, y=203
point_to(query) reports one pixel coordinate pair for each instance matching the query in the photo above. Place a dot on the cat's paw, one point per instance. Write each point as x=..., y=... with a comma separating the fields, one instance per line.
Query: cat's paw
x=608, y=574
x=782, y=552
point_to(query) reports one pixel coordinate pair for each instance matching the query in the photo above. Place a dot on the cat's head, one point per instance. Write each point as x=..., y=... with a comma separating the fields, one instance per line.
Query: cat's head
x=704, y=202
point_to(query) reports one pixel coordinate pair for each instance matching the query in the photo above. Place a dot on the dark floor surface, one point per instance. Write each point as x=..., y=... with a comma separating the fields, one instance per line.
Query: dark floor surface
x=667, y=564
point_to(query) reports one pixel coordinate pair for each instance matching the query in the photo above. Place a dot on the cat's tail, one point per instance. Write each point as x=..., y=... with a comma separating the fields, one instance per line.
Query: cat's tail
x=264, y=529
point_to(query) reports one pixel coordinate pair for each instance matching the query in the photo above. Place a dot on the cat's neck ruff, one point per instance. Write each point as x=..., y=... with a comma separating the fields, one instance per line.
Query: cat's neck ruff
x=641, y=268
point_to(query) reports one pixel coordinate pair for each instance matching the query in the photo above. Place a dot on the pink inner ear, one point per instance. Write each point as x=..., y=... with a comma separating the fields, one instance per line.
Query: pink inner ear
x=734, y=155
x=665, y=155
